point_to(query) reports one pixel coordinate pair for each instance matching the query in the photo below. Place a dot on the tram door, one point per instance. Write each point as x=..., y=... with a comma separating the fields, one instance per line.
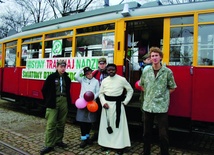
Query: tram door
x=140, y=36
x=11, y=73
x=143, y=34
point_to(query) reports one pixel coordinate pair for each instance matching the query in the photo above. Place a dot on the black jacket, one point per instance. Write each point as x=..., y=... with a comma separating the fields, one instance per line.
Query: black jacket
x=49, y=89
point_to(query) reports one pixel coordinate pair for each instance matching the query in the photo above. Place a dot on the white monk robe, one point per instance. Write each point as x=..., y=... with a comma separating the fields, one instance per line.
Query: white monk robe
x=119, y=139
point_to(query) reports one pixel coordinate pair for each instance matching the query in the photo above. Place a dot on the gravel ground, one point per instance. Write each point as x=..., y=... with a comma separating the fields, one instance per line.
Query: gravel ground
x=26, y=132
x=19, y=122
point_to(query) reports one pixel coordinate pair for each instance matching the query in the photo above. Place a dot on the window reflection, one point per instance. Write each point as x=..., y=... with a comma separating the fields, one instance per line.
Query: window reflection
x=96, y=45
x=31, y=50
x=10, y=55
x=206, y=45
x=181, y=46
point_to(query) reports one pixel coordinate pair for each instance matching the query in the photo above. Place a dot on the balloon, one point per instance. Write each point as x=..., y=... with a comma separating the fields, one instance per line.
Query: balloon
x=92, y=106
x=137, y=85
x=88, y=96
x=80, y=103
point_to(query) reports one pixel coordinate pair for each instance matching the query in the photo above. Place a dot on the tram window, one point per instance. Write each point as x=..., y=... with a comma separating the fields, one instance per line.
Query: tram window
x=10, y=57
x=13, y=43
x=32, y=39
x=96, y=45
x=206, y=18
x=181, y=46
x=96, y=28
x=0, y=55
x=29, y=51
x=10, y=54
x=206, y=45
x=182, y=20
x=59, y=34
x=58, y=48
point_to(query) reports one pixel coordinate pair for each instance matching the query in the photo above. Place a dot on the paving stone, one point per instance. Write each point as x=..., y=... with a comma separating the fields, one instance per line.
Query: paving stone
x=26, y=132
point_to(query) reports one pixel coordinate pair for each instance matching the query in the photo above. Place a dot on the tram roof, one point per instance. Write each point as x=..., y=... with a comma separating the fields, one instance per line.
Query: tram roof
x=82, y=15
x=147, y=7
x=109, y=13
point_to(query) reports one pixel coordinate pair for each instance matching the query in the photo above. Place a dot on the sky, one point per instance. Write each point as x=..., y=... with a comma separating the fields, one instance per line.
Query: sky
x=111, y=2
x=115, y=2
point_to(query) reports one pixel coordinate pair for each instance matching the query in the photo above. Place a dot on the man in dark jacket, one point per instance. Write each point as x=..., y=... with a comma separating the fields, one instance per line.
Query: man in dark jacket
x=56, y=93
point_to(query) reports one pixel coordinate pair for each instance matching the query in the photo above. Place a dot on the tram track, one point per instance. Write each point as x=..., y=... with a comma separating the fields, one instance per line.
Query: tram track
x=7, y=149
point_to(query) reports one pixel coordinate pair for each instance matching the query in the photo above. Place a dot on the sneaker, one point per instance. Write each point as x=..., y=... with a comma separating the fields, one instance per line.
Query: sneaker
x=46, y=150
x=83, y=144
x=61, y=144
x=104, y=149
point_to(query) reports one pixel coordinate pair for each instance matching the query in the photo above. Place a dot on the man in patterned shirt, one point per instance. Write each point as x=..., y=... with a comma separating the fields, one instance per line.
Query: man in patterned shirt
x=157, y=83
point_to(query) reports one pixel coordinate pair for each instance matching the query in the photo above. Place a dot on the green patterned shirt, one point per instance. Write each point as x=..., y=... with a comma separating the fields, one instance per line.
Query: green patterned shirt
x=156, y=89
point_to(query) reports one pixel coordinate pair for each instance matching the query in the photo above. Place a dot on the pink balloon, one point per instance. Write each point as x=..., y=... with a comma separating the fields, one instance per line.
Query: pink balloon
x=81, y=103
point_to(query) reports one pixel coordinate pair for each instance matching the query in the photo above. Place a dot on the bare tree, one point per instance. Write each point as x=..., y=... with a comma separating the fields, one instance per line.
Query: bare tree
x=170, y=2
x=14, y=20
x=65, y=7
x=38, y=9
x=3, y=31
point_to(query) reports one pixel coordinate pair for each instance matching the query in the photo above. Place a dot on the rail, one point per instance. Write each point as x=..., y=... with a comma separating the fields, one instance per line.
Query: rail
x=6, y=149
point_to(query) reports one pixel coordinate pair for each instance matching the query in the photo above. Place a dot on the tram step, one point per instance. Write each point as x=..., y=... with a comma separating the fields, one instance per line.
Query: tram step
x=8, y=99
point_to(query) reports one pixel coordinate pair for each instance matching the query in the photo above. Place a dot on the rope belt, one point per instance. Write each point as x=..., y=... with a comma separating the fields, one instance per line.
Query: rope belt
x=118, y=100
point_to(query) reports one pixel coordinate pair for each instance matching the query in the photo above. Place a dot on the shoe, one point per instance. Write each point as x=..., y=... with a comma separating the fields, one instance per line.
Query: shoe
x=94, y=137
x=104, y=149
x=46, y=150
x=61, y=144
x=83, y=144
x=119, y=152
x=89, y=141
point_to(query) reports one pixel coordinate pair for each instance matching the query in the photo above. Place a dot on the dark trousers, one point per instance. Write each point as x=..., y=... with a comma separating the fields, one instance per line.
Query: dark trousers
x=85, y=128
x=97, y=123
x=162, y=120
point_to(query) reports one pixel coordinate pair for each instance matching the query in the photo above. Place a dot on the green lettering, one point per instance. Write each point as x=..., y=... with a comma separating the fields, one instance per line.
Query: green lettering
x=71, y=75
x=94, y=63
x=88, y=62
x=83, y=63
x=46, y=74
x=35, y=64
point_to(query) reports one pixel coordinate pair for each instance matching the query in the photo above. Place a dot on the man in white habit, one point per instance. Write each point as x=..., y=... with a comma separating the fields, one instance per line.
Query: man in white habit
x=113, y=113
